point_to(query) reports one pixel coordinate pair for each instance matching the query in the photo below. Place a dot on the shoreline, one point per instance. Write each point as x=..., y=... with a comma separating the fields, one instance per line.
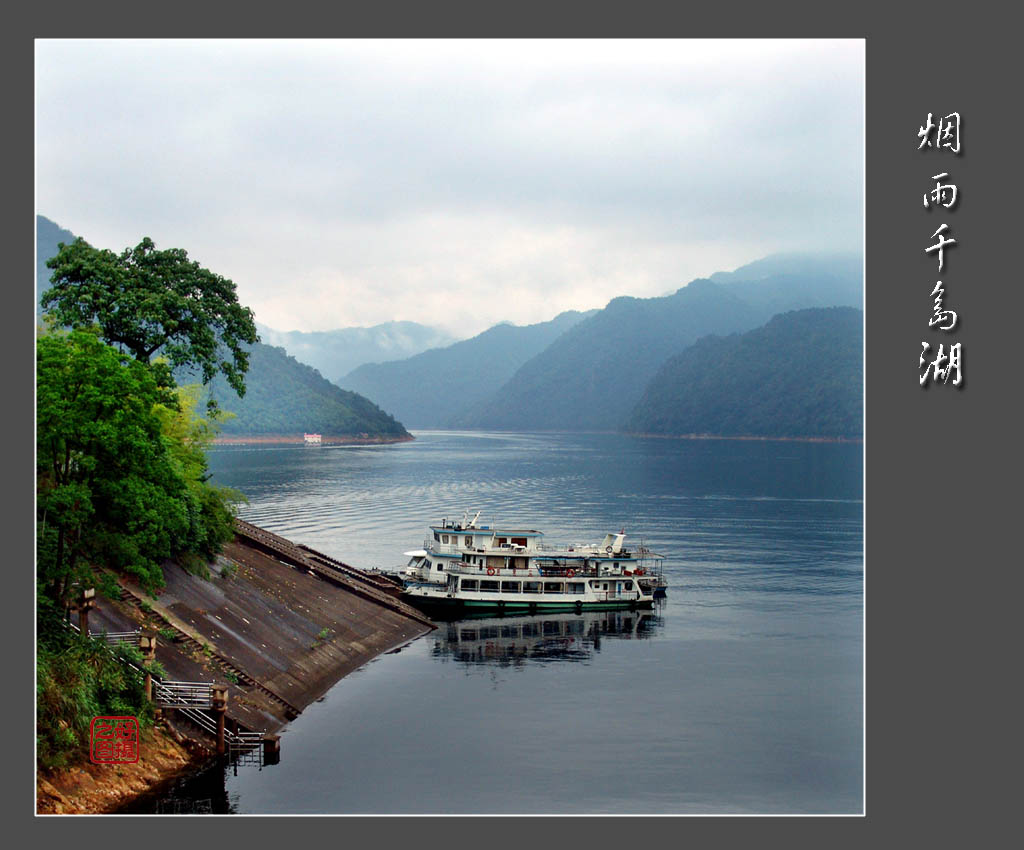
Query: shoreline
x=749, y=437
x=165, y=756
x=275, y=623
x=292, y=439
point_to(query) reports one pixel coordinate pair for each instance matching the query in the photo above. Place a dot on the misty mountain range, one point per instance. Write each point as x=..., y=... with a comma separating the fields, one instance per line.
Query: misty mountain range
x=591, y=375
x=336, y=353
x=438, y=388
x=612, y=369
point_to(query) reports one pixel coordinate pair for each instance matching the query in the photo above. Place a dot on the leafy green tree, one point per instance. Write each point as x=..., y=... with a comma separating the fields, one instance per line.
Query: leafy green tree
x=211, y=509
x=150, y=303
x=108, y=492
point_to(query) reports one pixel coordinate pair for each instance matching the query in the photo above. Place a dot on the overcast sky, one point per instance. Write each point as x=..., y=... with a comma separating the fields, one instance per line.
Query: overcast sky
x=453, y=183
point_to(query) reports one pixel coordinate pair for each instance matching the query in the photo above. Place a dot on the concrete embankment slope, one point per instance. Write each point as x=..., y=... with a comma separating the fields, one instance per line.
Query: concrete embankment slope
x=277, y=622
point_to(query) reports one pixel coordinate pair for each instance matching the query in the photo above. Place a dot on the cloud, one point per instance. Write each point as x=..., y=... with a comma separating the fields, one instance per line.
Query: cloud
x=452, y=183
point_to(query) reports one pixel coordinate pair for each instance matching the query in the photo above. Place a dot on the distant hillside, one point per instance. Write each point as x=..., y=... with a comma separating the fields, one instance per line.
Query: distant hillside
x=282, y=395
x=434, y=389
x=798, y=376
x=48, y=236
x=593, y=376
x=590, y=378
x=286, y=397
x=336, y=353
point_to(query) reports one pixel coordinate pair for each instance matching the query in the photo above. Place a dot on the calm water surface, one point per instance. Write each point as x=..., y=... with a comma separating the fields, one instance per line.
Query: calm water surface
x=742, y=692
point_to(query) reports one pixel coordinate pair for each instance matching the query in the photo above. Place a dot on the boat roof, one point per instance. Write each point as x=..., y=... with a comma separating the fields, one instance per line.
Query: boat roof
x=448, y=529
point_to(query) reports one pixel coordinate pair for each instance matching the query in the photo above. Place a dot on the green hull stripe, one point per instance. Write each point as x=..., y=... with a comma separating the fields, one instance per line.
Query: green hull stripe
x=526, y=607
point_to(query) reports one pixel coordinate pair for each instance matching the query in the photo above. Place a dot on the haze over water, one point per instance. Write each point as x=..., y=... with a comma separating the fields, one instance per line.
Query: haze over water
x=742, y=692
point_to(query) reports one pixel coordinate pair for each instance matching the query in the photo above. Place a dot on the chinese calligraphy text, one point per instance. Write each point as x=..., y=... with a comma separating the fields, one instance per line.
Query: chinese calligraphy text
x=941, y=135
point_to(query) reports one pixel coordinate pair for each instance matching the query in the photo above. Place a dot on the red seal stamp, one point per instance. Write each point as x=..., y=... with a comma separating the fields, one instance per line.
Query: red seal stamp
x=114, y=740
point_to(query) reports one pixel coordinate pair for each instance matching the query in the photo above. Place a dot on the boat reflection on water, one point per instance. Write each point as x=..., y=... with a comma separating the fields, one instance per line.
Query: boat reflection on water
x=547, y=638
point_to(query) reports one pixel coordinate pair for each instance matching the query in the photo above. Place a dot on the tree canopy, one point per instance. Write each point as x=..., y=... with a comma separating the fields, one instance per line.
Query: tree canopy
x=107, y=493
x=154, y=303
x=121, y=473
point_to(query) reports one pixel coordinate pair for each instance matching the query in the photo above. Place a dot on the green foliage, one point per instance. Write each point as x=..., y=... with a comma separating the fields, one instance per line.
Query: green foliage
x=78, y=678
x=210, y=509
x=121, y=477
x=148, y=302
x=121, y=469
x=798, y=376
x=107, y=492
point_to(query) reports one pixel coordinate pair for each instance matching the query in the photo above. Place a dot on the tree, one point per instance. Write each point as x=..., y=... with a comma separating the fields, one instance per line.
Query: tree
x=108, y=492
x=210, y=508
x=151, y=303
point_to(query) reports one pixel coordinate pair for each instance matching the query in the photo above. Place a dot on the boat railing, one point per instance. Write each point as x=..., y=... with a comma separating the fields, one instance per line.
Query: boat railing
x=455, y=548
x=462, y=568
x=576, y=550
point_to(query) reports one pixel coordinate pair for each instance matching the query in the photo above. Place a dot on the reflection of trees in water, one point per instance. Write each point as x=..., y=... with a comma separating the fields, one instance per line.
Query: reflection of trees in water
x=553, y=637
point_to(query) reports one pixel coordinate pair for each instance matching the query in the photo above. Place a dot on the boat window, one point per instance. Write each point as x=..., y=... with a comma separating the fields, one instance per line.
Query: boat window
x=576, y=587
x=510, y=586
x=554, y=587
x=531, y=587
x=444, y=538
x=440, y=566
x=518, y=541
x=468, y=584
x=437, y=537
x=469, y=540
x=488, y=586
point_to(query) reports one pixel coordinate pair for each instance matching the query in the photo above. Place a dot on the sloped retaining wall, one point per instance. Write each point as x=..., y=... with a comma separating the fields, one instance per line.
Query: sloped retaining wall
x=278, y=634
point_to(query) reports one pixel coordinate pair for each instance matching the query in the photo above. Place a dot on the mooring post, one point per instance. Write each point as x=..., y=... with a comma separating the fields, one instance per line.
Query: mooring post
x=86, y=602
x=147, y=645
x=219, y=703
x=271, y=749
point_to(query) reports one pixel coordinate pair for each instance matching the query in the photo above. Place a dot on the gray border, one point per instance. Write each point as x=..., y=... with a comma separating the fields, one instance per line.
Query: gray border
x=939, y=461
x=938, y=468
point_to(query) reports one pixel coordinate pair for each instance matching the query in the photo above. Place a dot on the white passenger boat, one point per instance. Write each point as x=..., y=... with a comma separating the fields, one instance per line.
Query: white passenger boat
x=465, y=567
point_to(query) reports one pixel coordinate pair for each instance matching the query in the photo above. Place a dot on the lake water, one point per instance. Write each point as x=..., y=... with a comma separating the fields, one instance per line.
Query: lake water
x=742, y=692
